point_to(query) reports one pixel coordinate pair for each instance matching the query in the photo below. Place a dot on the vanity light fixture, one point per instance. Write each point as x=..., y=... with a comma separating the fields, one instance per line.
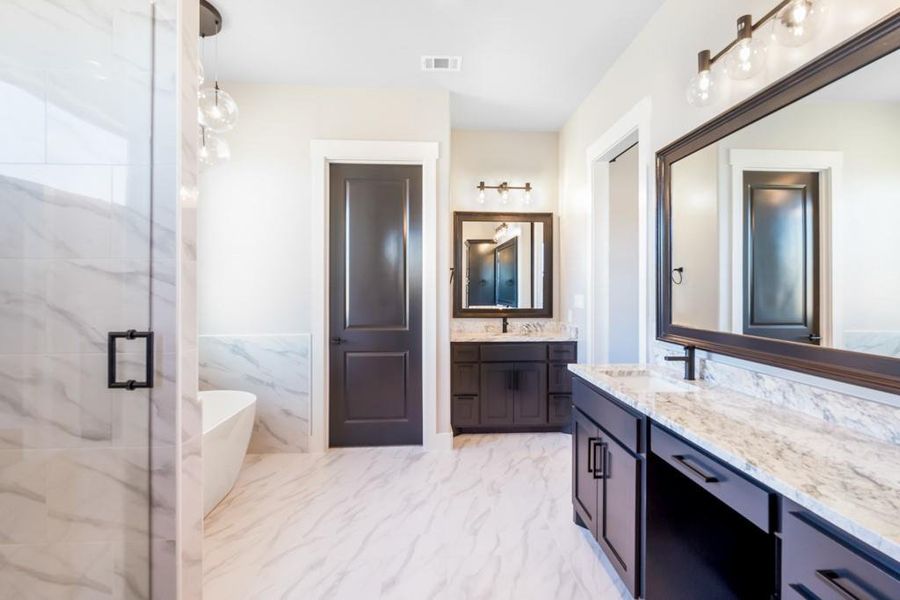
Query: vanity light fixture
x=795, y=22
x=503, y=190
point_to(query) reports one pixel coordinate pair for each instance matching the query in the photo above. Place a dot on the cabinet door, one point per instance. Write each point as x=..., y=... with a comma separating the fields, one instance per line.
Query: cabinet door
x=585, y=482
x=464, y=378
x=618, y=526
x=497, y=393
x=530, y=384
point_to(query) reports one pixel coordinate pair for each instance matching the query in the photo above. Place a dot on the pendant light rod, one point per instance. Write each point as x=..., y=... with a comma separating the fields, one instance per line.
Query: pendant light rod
x=746, y=28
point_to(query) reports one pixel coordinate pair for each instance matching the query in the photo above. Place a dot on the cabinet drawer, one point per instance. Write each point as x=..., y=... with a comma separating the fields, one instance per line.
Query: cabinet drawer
x=609, y=414
x=464, y=352
x=560, y=379
x=464, y=411
x=522, y=352
x=820, y=561
x=744, y=496
x=560, y=409
x=564, y=352
x=465, y=378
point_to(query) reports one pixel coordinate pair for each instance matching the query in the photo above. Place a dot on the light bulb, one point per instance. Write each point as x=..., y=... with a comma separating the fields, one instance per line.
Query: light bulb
x=217, y=110
x=701, y=89
x=213, y=150
x=504, y=196
x=799, y=21
x=746, y=59
x=527, y=197
x=481, y=197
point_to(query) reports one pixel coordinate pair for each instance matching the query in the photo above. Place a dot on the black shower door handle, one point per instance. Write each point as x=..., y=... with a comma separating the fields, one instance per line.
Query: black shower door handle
x=131, y=384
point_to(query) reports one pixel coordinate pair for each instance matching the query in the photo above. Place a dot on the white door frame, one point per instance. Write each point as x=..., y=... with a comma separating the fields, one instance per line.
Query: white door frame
x=324, y=153
x=633, y=126
x=829, y=166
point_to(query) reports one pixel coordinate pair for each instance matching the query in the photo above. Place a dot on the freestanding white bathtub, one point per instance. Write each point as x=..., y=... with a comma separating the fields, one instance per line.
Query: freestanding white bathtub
x=227, y=424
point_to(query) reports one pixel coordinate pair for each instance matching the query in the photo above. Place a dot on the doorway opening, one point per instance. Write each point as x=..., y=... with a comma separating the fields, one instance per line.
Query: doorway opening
x=618, y=309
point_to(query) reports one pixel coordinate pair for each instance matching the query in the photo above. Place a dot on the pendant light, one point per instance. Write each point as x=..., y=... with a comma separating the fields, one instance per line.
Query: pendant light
x=748, y=57
x=217, y=112
x=213, y=150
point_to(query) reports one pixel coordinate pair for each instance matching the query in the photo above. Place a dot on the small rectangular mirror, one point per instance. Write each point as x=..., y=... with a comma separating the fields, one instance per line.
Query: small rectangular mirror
x=503, y=264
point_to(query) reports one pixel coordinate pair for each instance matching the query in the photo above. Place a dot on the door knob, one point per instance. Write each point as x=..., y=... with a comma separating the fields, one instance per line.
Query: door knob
x=815, y=338
x=337, y=341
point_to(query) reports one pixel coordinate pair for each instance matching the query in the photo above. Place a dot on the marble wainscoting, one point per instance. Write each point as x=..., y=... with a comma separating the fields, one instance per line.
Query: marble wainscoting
x=274, y=367
x=873, y=419
x=884, y=343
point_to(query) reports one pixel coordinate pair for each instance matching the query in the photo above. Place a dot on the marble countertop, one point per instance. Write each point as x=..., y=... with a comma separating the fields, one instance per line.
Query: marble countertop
x=496, y=336
x=845, y=477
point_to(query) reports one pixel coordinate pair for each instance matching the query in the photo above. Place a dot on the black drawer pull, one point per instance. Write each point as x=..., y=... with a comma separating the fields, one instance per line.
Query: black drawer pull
x=833, y=580
x=602, y=462
x=700, y=474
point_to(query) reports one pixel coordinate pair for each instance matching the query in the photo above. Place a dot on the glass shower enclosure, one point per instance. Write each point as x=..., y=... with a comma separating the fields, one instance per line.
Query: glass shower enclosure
x=76, y=177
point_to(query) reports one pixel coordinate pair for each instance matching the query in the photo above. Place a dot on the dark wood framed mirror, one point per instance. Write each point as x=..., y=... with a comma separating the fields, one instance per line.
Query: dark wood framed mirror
x=503, y=264
x=778, y=221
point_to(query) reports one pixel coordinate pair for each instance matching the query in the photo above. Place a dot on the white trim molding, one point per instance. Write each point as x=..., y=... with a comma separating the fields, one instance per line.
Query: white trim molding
x=323, y=153
x=829, y=166
x=633, y=127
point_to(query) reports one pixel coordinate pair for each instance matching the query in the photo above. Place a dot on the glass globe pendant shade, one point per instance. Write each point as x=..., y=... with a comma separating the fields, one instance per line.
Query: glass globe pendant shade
x=701, y=89
x=213, y=149
x=746, y=59
x=218, y=112
x=799, y=21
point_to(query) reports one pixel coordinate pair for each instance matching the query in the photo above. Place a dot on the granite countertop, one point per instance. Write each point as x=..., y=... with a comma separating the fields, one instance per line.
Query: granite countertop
x=514, y=336
x=845, y=477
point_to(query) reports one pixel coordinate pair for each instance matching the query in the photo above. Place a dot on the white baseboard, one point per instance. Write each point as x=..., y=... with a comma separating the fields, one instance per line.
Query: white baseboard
x=441, y=442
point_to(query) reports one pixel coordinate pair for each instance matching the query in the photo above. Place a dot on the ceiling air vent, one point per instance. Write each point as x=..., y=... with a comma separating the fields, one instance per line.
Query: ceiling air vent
x=441, y=63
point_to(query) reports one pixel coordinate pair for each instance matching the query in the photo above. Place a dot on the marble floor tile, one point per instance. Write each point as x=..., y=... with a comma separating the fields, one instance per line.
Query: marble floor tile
x=492, y=519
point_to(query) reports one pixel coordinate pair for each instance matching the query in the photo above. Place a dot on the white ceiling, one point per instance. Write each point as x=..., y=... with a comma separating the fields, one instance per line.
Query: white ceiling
x=527, y=64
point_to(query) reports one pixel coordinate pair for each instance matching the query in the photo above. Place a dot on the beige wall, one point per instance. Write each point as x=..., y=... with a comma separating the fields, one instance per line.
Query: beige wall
x=657, y=65
x=514, y=157
x=254, y=227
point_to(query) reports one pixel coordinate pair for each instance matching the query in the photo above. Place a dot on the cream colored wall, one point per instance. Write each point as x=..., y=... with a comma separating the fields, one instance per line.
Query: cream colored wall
x=254, y=233
x=514, y=157
x=657, y=65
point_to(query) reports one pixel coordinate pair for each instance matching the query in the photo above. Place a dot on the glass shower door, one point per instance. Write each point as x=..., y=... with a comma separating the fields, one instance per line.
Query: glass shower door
x=75, y=236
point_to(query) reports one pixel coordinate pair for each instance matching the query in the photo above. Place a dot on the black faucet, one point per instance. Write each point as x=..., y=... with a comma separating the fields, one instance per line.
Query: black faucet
x=689, y=362
x=505, y=324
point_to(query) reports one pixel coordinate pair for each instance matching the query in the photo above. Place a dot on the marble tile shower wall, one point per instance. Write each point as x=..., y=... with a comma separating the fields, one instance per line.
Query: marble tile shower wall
x=274, y=367
x=75, y=117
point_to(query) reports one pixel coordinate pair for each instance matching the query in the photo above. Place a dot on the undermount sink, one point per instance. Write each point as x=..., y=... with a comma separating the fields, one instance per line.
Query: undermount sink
x=648, y=381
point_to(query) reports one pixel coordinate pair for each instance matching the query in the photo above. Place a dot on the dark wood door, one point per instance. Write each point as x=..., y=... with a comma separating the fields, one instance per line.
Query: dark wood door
x=481, y=273
x=497, y=393
x=585, y=482
x=618, y=526
x=781, y=256
x=507, y=261
x=375, y=305
x=530, y=385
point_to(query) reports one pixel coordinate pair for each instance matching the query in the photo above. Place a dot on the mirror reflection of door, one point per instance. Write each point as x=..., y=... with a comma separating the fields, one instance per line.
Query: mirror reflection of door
x=507, y=265
x=781, y=255
x=480, y=288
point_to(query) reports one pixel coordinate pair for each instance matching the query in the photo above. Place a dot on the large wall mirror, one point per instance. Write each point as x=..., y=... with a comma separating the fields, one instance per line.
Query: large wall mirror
x=780, y=221
x=503, y=265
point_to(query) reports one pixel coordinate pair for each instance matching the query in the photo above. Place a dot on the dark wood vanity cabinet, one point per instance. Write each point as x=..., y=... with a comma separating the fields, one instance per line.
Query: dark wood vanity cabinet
x=607, y=469
x=820, y=561
x=499, y=386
